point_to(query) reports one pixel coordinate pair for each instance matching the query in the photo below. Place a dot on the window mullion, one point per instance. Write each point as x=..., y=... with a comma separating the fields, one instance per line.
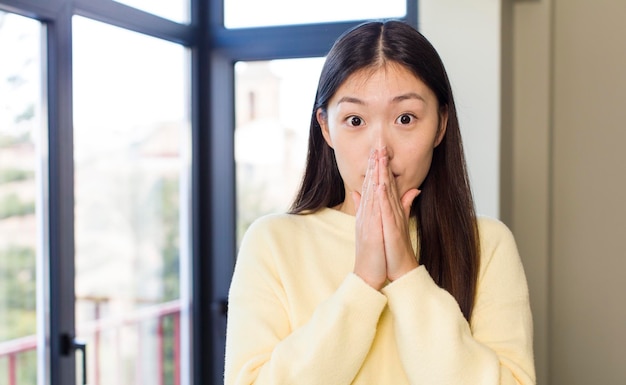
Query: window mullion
x=61, y=196
x=268, y=43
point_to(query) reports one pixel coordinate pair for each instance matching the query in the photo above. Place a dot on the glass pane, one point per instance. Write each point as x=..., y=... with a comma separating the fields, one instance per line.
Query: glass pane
x=131, y=159
x=260, y=13
x=20, y=113
x=273, y=103
x=175, y=10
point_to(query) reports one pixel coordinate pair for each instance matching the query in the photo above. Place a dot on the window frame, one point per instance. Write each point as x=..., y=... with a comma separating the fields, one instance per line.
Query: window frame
x=214, y=51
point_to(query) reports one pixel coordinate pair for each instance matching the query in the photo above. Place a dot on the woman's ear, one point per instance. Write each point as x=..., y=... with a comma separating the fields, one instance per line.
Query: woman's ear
x=443, y=124
x=322, y=120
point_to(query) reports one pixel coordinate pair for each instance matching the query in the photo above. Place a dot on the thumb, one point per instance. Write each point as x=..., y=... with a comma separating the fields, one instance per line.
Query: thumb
x=356, y=198
x=407, y=200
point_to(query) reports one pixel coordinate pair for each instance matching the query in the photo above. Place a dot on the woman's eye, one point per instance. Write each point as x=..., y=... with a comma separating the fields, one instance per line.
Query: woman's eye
x=405, y=119
x=355, y=121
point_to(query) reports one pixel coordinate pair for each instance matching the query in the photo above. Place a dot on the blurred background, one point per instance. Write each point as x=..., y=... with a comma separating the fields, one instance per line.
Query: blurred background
x=139, y=139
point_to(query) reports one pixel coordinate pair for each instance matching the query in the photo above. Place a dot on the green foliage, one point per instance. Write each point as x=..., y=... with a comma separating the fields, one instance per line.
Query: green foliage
x=168, y=351
x=27, y=368
x=15, y=175
x=171, y=248
x=27, y=114
x=10, y=140
x=171, y=268
x=12, y=206
x=17, y=292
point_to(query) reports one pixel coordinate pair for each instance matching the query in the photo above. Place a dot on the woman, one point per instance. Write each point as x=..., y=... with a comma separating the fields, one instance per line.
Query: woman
x=381, y=273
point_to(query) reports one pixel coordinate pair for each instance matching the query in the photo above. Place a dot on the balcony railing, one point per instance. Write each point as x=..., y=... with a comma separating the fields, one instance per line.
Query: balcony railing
x=11, y=350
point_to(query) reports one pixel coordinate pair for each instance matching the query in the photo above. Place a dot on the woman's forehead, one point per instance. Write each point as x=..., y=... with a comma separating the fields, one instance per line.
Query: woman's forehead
x=392, y=80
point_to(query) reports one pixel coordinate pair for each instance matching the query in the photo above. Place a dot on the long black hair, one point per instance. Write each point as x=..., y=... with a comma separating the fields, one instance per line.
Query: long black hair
x=447, y=227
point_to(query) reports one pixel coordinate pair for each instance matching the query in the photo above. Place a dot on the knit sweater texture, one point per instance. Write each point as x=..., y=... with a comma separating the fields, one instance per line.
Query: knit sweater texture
x=298, y=315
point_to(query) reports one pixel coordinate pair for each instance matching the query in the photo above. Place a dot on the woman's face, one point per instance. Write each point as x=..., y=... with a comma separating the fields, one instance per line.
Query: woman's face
x=387, y=107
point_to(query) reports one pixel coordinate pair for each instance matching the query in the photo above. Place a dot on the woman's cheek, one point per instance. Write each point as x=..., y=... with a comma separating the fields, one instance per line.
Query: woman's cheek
x=349, y=177
x=422, y=168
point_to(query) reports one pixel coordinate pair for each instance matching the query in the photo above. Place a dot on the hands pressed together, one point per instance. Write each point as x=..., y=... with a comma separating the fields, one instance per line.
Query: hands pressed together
x=383, y=244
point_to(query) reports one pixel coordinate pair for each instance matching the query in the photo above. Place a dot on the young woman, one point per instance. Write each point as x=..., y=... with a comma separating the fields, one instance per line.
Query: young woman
x=381, y=273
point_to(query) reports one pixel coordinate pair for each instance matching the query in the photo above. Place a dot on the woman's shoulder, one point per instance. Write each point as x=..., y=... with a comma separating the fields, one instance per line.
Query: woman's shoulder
x=496, y=241
x=266, y=232
x=272, y=223
x=285, y=233
x=494, y=236
x=287, y=218
x=321, y=218
x=490, y=227
x=273, y=219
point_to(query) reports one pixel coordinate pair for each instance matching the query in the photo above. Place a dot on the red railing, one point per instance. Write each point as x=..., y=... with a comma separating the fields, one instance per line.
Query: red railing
x=11, y=350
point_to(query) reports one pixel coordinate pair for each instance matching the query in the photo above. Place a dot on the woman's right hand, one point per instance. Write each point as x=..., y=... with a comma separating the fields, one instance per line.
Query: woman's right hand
x=370, y=263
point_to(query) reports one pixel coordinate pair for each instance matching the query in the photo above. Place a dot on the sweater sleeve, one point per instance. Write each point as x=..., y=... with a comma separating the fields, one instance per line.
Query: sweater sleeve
x=263, y=347
x=436, y=343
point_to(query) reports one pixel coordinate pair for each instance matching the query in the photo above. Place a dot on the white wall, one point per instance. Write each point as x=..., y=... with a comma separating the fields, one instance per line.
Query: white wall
x=467, y=36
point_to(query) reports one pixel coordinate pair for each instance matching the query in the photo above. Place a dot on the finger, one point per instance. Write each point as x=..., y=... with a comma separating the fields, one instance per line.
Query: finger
x=390, y=190
x=356, y=198
x=367, y=181
x=372, y=181
x=394, y=194
x=407, y=200
x=370, y=262
x=386, y=209
x=385, y=175
x=369, y=173
x=376, y=171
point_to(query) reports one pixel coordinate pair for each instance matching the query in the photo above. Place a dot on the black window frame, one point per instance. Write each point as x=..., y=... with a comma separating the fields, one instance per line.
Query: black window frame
x=214, y=51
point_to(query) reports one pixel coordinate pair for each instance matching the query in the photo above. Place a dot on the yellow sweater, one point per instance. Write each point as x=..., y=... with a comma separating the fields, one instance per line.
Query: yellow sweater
x=298, y=315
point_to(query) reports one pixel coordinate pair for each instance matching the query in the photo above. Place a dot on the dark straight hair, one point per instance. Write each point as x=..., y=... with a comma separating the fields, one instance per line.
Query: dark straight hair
x=447, y=228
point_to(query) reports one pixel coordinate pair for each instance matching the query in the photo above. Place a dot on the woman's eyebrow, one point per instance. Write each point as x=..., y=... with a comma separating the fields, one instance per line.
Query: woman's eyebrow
x=350, y=99
x=397, y=99
x=410, y=95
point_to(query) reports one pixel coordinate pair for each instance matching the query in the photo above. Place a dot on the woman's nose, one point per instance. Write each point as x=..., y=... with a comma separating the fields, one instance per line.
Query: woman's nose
x=380, y=141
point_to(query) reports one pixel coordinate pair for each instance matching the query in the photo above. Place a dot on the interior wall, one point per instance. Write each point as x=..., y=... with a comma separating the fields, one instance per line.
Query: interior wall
x=569, y=178
x=530, y=168
x=588, y=297
x=467, y=36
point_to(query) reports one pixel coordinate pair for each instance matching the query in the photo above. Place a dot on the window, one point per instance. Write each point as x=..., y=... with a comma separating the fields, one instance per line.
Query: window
x=95, y=192
x=254, y=13
x=176, y=10
x=273, y=101
x=130, y=164
x=20, y=196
